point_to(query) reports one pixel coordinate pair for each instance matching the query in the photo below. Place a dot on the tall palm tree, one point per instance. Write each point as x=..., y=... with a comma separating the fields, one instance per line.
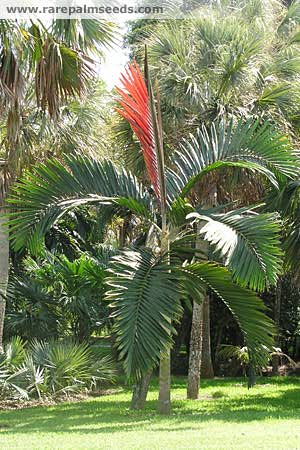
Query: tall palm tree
x=45, y=67
x=229, y=62
x=286, y=201
x=147, y=284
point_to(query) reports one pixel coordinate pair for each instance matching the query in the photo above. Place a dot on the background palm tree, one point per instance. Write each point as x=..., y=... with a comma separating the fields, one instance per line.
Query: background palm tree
x=42, y=68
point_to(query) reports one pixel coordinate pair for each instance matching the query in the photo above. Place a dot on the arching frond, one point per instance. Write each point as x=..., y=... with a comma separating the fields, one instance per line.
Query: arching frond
x=249, y=243
x=246, y=307
x=145, y=297
x=249, y=145
x=54, y=188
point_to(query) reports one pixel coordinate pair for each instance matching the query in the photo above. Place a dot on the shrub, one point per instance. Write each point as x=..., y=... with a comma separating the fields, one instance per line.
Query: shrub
x=52, y=368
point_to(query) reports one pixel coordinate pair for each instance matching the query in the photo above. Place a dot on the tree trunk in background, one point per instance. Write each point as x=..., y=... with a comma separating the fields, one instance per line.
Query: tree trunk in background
x=140, y=392
x=4, y=270
x=195, y=353
x=164, y=398
x=197, y=331
x=206, y=370
x=277, y=308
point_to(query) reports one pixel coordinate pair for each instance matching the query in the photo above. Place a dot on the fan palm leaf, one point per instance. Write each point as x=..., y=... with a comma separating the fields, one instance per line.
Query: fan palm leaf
x=61, y=73
x=11, y=76
x=84, y=34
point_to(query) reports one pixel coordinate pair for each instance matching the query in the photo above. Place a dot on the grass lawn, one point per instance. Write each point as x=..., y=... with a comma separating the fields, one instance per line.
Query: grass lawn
x=227, y=416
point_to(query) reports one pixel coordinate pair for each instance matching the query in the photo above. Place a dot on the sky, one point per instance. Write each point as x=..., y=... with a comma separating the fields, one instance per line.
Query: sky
x=115, y=60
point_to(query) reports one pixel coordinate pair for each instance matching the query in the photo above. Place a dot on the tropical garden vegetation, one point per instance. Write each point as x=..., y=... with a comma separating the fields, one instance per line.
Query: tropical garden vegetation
x=153, y=230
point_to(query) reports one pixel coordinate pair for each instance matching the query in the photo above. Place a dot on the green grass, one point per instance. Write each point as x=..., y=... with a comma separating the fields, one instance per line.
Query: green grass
x=228, y=416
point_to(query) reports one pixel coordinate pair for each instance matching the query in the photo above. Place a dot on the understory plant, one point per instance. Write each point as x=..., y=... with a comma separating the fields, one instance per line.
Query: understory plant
x=241, y=354
x=48, y=369
x=58, y=297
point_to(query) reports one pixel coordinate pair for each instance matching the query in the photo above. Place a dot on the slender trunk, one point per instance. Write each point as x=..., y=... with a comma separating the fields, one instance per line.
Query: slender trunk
x=123, y=230
x=164, y=398
x=277, y=309
x=140, y=392
x=207, y=370
x=4, y=270
x=195, y=353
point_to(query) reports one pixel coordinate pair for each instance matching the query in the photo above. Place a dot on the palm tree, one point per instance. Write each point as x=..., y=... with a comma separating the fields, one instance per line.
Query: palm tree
x=51, y=66
x=229, y=62
x=286, y=200
x=147, y=284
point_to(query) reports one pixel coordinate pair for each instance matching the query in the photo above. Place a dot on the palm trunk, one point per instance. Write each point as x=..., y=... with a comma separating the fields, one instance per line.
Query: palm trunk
x=277, y=309
x=195, y=353
x=4, y=270
x=207, y=370
x=140, y=392
x=164, y=398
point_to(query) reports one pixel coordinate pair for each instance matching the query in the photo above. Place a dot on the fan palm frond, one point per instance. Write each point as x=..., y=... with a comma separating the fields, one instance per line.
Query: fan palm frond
x=61, y=73
x=11, y=77
x=89, y=35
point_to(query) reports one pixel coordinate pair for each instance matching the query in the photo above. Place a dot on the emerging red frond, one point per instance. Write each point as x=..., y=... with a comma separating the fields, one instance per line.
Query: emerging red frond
x=135, y=105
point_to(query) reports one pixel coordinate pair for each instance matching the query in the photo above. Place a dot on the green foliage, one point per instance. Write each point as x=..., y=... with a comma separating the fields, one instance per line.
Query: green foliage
x=145, y=289
x=54, y=368
x=59, y=297
x=61, y=187
x=288, y=293
x=245, y=306
x=241, y=354
x=287, y=202
x=231, y=351
x=248, y=242
x=31, y=311
x=234, y=59
x=14, y=354
x=249, y=146
x=145, y=299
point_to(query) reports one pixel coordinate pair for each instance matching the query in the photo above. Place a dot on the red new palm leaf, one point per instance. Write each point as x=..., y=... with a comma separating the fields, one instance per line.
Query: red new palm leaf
x=135, y=102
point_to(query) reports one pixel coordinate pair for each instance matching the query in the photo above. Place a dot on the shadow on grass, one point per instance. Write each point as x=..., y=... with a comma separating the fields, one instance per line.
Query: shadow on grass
x=112, y=414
